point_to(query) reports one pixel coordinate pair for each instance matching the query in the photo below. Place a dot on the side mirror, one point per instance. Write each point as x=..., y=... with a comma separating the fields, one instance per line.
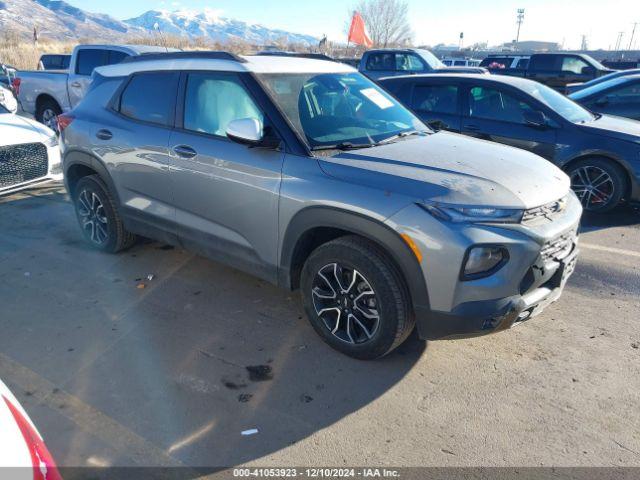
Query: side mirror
x=535, y=118
x=246, y=131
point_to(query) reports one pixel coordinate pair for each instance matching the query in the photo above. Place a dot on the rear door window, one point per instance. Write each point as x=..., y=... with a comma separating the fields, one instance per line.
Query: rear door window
x=545, y=62
x=494, y=104
x=90, y=59
x=435, y=98
x=150, y=98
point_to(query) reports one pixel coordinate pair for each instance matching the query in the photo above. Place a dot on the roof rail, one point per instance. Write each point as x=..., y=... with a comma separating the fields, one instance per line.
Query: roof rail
x=205, y=55
x=313, y=56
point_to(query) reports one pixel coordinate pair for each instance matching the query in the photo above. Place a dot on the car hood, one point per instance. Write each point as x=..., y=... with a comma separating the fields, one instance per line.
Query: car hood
x=15, y=129
x=616, y=127
x=454, y=169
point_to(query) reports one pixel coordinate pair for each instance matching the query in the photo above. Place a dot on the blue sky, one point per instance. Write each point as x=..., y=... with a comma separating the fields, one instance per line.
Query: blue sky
x=433, y=21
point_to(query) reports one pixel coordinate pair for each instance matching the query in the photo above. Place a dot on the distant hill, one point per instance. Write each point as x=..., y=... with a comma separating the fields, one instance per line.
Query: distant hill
x=56, y=19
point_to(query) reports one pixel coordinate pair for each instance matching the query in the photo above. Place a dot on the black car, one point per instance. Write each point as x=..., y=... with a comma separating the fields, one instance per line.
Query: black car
x=619, y=96
x=600, y=153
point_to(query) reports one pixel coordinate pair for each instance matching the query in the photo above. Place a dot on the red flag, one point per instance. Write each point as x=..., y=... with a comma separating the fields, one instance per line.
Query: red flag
x=358, y=31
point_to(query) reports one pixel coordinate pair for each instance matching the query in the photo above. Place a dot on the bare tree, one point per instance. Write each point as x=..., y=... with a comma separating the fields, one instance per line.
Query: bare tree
x=387, y=21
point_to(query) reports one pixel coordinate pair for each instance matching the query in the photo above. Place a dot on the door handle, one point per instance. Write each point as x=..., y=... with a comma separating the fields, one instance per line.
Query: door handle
x=472, y=128
x=76, y=84
x=185, y=151
x=104, y=134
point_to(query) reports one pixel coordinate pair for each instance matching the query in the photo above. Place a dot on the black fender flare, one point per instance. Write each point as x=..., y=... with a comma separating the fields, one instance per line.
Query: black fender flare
x=374, y=230
x=77, y=157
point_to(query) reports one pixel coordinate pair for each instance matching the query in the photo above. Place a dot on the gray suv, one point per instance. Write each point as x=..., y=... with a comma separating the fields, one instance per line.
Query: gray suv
x=306, y=174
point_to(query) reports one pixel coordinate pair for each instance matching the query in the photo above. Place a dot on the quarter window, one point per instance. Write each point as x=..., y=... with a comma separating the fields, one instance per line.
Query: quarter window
x=149, y=97
x=212, y=101
x=435, y=98
x=492, y=104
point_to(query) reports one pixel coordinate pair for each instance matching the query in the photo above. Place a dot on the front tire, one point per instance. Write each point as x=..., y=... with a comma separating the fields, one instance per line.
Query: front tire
x=98, y=216
x=599, y=184
x=355, y=298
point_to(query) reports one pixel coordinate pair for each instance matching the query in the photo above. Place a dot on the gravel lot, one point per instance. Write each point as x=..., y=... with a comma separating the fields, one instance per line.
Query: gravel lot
x=116, y=374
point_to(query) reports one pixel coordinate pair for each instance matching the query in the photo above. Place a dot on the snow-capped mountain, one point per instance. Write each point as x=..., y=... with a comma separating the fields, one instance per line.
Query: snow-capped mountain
x=210, y=24
x=56, y=19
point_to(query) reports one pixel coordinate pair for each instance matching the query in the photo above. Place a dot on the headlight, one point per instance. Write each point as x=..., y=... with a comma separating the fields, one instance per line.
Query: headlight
x=474, y=214
x=52, y=141
x=482, y=261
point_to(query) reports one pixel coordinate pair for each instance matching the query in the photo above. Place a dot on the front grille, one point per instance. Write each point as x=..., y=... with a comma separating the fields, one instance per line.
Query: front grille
x=22, y=163
x=548, y=211
x=558, y=248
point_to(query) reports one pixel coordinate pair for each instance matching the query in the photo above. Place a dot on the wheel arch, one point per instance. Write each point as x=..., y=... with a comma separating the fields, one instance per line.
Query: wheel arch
x=43, y=97
x=314, y=226
x=79, y=164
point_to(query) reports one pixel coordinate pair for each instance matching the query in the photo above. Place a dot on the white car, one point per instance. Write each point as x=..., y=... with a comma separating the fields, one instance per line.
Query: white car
x=23, y=454
x=8, y=100
x=29, y=153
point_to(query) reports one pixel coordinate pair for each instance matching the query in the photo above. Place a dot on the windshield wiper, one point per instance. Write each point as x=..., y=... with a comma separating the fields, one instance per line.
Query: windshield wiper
x=392, y=138
x=343, y=146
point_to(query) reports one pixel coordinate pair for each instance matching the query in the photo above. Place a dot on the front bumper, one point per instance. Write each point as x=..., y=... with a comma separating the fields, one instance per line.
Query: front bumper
x=487, y=316
x=542, y=256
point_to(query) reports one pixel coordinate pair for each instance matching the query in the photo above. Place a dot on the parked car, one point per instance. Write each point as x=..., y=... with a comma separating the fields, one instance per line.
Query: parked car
x=24, y=454
x=7, y=99
x=29, y=153
x=52, y=61
x=505, y=61
x=308, y=175
x=395, y=61
x=575, y=87
x=556, y=70
x=600, y=153
x=620, y=96
x=460, y=62
x=46, y=94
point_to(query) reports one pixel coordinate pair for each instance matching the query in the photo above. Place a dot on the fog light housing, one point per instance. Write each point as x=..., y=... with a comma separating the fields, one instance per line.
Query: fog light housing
x=483, y=260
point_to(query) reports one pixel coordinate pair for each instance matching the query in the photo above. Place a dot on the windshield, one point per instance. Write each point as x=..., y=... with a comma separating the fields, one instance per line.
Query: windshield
x=595, y=62
x=337, y=109
x=431, y=59
x=586, y=92
x=557, y=102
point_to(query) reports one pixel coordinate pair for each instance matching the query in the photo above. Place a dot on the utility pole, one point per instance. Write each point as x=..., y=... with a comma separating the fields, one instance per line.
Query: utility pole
x=619, y=41
x=584, y=46
x=633, y=32
x=519, y=21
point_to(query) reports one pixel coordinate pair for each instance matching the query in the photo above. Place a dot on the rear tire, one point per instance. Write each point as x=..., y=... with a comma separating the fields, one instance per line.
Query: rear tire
x=355, y=298
x=47, y=113
x=599, y=183
x=98, y=216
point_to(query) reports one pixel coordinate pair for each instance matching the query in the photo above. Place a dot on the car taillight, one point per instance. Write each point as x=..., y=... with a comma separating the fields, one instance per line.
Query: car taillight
x=43, y=465
x=15, y=84
x=64, y=120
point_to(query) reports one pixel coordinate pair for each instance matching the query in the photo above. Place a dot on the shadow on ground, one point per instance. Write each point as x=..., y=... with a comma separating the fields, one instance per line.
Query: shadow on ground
x=184, y=352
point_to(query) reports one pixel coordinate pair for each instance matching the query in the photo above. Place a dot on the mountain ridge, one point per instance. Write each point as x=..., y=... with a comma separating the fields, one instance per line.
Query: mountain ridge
x=58, y=20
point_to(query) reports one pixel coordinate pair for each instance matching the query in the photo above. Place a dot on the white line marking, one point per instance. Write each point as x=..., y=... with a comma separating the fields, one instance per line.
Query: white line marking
x=619, y=251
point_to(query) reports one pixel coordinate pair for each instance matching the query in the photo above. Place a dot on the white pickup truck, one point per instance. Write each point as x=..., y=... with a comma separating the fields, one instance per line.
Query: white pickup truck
x=47, y=94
